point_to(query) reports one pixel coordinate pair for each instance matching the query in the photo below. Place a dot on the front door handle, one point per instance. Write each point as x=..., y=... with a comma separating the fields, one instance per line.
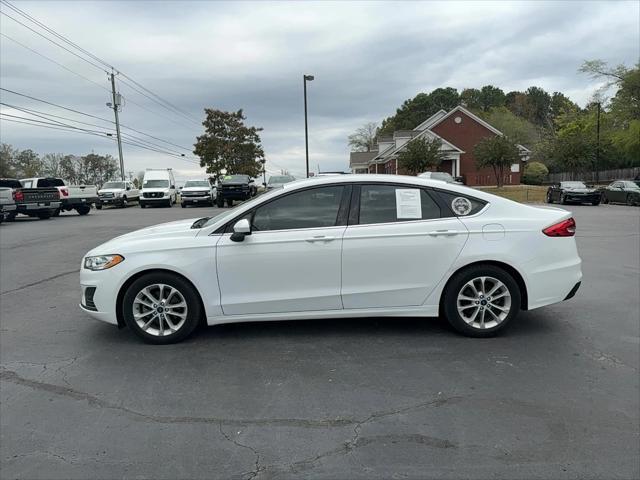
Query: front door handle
x=448, y=233
x=320, y=238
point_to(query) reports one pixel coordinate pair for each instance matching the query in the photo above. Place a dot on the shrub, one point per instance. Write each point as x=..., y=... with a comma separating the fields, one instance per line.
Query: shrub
x=535, y=173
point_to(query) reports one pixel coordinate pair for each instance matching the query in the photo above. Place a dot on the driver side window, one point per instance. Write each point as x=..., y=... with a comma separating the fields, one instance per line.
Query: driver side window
x=313, y=208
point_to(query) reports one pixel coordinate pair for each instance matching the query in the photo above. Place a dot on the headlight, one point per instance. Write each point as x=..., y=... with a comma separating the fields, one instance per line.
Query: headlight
x=118, y=194
x=102, y=262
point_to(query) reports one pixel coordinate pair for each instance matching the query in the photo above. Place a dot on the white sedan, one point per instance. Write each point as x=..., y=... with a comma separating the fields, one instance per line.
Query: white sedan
x=343, y=246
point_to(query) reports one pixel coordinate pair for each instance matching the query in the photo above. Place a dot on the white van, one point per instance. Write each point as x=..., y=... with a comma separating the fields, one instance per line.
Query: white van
x=158, y=187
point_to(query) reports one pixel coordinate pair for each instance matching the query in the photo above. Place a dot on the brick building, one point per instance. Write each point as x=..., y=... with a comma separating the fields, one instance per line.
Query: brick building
x=459, y=131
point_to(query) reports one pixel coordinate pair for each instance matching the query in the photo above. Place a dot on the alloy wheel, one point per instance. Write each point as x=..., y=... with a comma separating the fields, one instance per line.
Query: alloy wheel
x=160, y=309
x=484, y=302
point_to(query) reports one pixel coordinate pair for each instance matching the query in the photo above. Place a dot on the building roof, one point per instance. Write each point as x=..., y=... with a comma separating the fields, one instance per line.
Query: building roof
x=405, y=133
x=361, y=157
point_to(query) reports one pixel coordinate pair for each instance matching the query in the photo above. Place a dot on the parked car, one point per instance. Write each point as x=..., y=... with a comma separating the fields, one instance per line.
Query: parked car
x=343, y=246
x=443, y=176
x=573, y=192
x=235, y=187
x=72, y=197
x=118, y=193
x=7, y=203
x=622, y=191
x=40, y=202
x=158, y=188
x=277, y=181
x=197, y=192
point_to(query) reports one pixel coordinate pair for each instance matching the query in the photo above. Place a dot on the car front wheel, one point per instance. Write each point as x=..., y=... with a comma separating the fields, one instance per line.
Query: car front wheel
x=481, y=300
x=161, y=308
x=549, y=200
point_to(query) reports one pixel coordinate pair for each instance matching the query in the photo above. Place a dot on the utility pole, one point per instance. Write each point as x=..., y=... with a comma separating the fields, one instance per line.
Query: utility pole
x=305, y=79
x=598, y=143
x=115, y=105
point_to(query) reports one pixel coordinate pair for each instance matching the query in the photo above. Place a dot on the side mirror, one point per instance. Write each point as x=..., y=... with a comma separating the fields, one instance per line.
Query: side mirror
x=173, y=186
x=251, y=180
x=241, y=229
x=128, y=187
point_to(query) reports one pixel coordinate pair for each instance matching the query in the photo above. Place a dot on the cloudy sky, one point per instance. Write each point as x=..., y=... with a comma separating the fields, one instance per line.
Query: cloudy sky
x=367, y=59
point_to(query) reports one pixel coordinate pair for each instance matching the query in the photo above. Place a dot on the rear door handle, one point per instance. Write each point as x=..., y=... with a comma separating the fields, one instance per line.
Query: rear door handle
x=447, y=233
x=320, y=238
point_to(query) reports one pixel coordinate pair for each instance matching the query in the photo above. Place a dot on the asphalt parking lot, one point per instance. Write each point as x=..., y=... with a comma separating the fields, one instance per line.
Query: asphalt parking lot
x=556, y=396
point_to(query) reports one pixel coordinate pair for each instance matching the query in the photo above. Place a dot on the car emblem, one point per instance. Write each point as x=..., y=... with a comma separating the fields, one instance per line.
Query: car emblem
x=461, y=206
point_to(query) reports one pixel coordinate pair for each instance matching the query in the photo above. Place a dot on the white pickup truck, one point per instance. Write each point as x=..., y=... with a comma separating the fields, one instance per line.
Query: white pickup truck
x=72, y=197
x=7, y=203
x=118, y=193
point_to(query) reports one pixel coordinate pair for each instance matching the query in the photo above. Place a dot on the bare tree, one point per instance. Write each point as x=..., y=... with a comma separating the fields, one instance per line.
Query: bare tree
x=364, y=138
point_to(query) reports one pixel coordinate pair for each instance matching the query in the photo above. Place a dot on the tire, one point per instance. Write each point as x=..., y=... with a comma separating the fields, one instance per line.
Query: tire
x=44, y=215
x=98, y=206
x=186, y=318
x=56, y=213
x=169, y=204
x=229, y=203
x=596, y=203
x=549, y=199
x=220, y=202
x=83, y=209
x=629, y=200
x=142, y=205
x=11, y=217
x=563, y=200
x=124, y=203
x=471, y=325
x=605, y=200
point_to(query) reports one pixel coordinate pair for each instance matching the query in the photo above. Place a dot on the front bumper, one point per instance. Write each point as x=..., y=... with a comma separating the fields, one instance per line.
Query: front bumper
x=583, y=198
x=99, y=291
x=190, y=199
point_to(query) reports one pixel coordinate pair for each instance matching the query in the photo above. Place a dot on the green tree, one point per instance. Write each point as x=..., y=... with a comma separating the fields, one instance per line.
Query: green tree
x=535, y=173
x=443, y=99
x=470, y=98
x=538, y=106
x=497, y=152
x=364, y=138
x=7, y=165
x=491, y=97
x=518, y=129
x=229, y=144
x=27, y=163
x=421, y=155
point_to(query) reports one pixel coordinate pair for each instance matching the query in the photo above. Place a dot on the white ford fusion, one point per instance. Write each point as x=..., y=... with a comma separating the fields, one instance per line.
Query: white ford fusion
x=343, y=246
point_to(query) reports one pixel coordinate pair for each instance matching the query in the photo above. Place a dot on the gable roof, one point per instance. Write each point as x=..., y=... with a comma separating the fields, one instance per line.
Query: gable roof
x=473, y=116
x=425, y=133
x=431, y=120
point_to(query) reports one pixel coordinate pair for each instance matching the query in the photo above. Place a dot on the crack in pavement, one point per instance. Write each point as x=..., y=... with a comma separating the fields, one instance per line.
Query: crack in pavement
x=257, y=468
x=66, y=391
x=29, y=285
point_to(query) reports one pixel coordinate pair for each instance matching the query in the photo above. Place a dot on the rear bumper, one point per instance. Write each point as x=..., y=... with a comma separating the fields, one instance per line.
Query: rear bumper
x=554, y=283
x=27, y=208
x=69, y=203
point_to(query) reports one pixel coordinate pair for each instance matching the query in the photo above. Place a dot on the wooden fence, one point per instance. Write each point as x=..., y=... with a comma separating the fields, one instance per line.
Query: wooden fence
x=603, y=176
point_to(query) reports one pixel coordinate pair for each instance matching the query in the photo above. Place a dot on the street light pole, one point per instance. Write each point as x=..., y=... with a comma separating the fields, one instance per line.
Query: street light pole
x=264, y=173
x=306, y=78
x=598, y=145
x=116, y=104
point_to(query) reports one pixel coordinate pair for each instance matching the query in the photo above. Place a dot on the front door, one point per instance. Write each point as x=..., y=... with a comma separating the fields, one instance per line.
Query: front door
x=400, y=248
x=291, y=262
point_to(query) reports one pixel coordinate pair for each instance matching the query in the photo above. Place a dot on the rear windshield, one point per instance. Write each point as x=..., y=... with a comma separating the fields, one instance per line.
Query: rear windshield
x=281, y=179
x=10, y=183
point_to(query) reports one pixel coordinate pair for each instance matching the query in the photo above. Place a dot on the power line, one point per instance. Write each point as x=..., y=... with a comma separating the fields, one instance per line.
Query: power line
x=53, y=61
x=52, y=41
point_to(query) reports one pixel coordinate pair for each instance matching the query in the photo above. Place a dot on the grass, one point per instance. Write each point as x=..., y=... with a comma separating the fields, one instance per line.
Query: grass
x=519, y=193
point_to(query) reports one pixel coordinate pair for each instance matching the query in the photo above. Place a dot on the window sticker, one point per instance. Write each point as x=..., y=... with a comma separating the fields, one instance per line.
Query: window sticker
x=461, y=206
x=408, y=203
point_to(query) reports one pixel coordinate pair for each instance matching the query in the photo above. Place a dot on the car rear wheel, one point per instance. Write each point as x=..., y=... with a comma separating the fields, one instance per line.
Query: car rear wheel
x=44, y=215
x=83, y=209
x=98, y=206
x=161, y=308
x=629, y=200
x=481, y=300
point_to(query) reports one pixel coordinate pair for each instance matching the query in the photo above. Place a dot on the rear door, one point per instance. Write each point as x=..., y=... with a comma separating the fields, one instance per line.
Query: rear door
x=399, y=244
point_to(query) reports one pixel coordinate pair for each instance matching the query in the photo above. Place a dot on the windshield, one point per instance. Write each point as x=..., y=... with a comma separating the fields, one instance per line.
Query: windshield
x=280, y=179
x=235, y=178
x=155, y=184
x=197, y=183
x=573, y=185
x=113, y=185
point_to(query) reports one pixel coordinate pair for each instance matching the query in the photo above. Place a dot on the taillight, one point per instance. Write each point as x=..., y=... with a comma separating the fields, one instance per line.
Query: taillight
x=64, y=191
x=566, y=228
x=18, y=196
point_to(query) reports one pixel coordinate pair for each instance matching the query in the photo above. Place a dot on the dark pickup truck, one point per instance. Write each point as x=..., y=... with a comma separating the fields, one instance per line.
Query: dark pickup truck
x=34, y=202
x=235, y=187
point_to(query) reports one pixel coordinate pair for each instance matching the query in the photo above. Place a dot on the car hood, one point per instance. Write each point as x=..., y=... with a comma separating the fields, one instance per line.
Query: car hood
x=111, y=190
x=234, y=184
x=160, y=190
x=196, y=189
x=136, y=240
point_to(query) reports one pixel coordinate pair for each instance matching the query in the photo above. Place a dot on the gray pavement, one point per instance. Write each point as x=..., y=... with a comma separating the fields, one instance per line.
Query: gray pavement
x=557, y=396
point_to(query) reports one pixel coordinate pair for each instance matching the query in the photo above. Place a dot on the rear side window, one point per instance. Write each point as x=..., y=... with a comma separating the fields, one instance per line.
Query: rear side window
x=461, y=205
x=317, y=207
x=395, y=203
x=10, y=183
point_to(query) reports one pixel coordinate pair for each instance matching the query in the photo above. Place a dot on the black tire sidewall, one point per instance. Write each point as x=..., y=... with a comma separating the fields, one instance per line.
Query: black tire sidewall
x=187, y=291
x=459, y=279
